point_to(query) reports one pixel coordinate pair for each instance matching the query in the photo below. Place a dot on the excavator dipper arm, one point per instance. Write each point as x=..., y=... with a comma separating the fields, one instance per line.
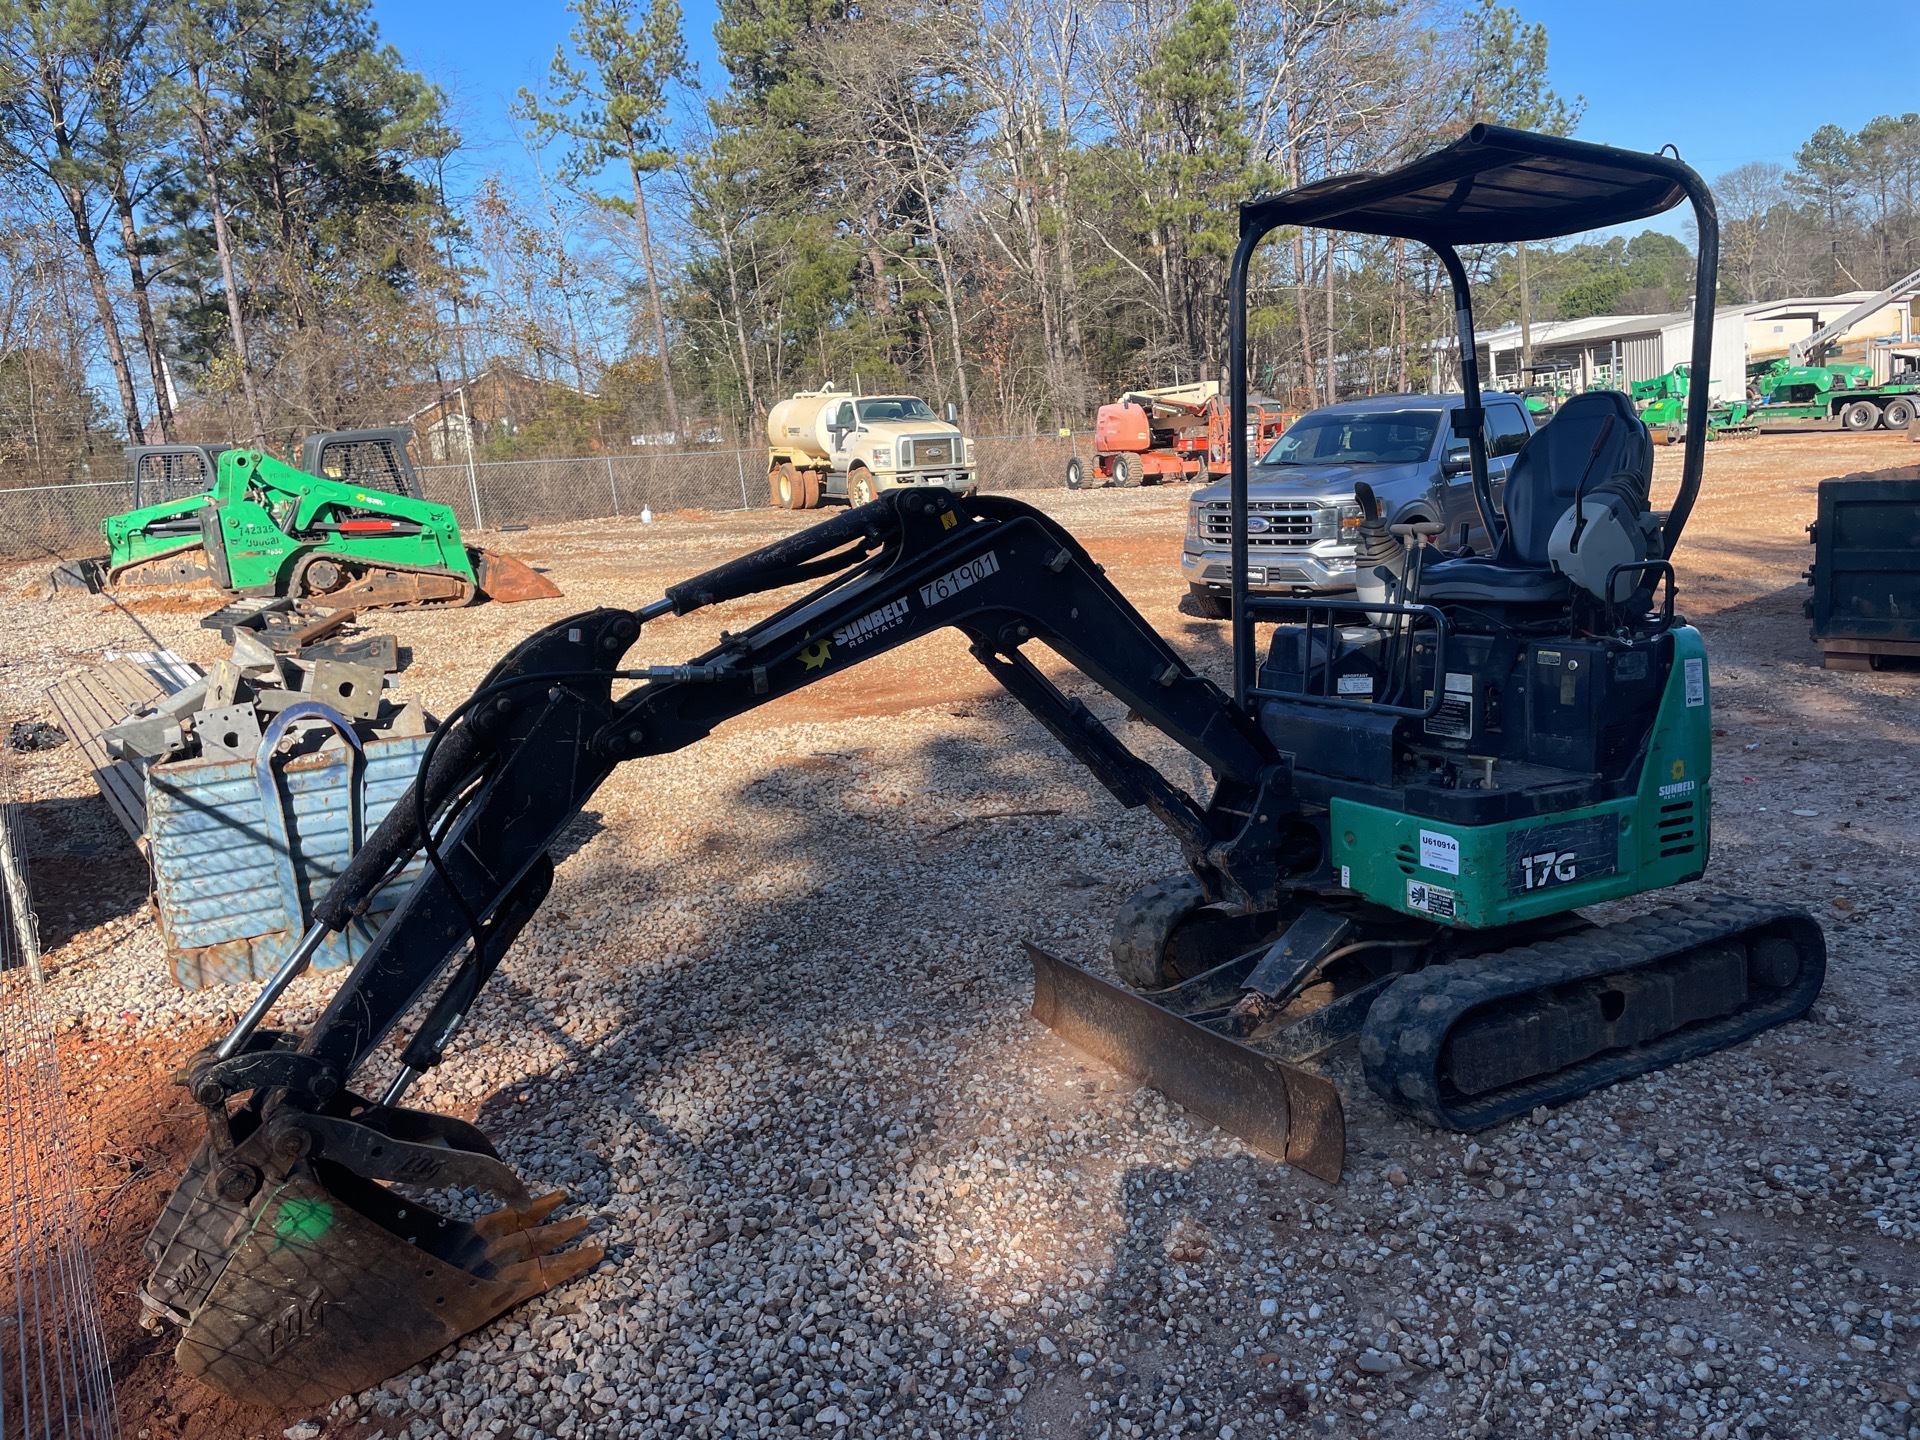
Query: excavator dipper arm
x=290, y=1141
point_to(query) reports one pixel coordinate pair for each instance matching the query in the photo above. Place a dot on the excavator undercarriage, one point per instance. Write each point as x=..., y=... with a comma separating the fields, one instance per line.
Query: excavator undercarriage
x=1414, y=793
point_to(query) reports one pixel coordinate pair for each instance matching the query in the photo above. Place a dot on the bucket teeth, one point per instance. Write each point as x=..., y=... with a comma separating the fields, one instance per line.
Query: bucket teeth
x=541, y=1273
x=532, y=1242
x=507, y=1220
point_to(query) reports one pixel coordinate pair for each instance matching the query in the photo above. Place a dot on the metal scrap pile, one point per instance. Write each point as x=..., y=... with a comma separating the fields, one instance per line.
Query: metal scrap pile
x=281, y=658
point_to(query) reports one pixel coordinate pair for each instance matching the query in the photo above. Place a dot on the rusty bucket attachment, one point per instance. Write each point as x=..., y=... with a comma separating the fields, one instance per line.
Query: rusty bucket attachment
x=297, y=1275
x=505, y=578
x=1279, y=1108
x=88, y=574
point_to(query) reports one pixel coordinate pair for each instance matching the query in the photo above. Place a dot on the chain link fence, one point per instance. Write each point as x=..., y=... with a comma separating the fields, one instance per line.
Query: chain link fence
x=64, y=520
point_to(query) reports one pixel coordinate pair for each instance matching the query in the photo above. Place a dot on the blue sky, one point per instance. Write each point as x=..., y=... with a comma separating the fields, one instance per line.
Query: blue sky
x=1726, y=83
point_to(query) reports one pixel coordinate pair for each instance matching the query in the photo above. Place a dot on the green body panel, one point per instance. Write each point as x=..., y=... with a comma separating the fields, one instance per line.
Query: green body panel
x=1474, y=876
x=266, y=514
x=1668, y=387
x=1817, y=392
x=132, y=537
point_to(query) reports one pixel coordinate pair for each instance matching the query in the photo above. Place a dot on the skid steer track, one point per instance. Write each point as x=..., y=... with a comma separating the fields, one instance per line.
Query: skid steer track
x=1454, y=1043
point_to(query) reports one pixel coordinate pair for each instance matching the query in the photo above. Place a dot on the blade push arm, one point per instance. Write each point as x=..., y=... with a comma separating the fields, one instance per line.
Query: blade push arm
x=518, y=760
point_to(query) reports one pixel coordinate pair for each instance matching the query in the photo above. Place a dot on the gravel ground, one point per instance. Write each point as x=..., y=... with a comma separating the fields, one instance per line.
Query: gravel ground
x=770, y=1032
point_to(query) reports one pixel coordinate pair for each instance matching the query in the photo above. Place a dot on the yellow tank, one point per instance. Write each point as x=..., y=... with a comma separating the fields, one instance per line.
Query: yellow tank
x=799, y=424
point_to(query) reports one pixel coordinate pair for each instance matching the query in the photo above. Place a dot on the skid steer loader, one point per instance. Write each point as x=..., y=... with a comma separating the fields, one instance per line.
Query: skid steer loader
x=351, y=528
x=1413, y=792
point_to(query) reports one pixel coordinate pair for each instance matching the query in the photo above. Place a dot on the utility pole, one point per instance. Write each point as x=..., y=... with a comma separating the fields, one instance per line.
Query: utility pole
x=460, y=350
x=1526, y=320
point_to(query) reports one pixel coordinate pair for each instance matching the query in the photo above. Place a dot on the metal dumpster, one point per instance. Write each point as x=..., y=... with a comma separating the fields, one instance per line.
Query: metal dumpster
x=242, y=848
x=1866, y=568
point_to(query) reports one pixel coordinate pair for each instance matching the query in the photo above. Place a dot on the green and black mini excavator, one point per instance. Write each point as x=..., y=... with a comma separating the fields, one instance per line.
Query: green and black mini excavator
x=1414, y=791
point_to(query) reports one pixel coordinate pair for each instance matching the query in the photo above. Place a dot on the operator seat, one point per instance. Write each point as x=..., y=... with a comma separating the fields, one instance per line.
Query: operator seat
x=1540, y=490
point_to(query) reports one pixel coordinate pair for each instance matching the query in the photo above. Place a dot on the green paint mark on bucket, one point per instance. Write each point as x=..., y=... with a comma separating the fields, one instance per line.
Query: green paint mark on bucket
x=303, y=1222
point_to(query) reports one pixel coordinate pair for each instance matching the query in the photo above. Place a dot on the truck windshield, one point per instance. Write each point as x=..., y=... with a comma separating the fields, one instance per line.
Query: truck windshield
x=1385, y=437
x=895, y=408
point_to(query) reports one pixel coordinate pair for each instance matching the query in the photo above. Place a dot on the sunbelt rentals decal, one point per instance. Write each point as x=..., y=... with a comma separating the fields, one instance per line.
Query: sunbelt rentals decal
x=893, y=613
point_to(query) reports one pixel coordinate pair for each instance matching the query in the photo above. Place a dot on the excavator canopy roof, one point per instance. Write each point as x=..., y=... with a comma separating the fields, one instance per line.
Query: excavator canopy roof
x=1494, y=185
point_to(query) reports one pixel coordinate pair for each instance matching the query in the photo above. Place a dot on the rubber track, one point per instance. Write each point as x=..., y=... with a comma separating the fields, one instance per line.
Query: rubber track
x=1405, y=1032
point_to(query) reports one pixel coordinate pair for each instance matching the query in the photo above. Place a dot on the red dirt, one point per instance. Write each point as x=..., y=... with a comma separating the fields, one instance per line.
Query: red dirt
x=134, y=1131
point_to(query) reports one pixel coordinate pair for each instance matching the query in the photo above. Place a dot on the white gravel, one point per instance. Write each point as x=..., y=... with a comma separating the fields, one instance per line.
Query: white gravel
x=771, y=1033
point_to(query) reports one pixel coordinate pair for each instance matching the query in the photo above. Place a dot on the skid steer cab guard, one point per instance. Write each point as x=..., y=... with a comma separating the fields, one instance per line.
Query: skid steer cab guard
x=1412, y=792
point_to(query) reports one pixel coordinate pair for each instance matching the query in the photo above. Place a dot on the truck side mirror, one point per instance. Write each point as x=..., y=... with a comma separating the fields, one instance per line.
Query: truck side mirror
x=953, y=413
x=1457, y=462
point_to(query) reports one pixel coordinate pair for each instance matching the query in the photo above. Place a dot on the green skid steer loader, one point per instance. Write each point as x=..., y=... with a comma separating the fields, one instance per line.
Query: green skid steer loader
x=350, y=528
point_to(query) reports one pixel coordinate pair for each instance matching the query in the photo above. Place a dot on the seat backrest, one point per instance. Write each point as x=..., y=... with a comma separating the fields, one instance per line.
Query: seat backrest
x=1547, y=470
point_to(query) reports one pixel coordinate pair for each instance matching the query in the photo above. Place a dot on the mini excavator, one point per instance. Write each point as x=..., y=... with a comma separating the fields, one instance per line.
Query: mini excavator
x=1415, y=791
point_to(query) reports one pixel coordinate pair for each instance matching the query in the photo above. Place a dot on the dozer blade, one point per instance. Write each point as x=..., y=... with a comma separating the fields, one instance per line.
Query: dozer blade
x=1287, y=1112
x=505, y=579
x=322, y=1282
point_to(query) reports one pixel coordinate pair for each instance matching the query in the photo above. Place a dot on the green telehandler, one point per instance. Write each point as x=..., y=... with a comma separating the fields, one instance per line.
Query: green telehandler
x=350, y=528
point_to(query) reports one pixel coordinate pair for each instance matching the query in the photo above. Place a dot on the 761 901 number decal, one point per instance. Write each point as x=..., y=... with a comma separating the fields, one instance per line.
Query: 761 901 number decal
x=954, y=581
x=1546, y=856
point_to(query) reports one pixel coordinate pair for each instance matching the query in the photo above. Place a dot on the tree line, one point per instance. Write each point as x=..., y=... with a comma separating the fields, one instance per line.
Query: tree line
x=238, y=221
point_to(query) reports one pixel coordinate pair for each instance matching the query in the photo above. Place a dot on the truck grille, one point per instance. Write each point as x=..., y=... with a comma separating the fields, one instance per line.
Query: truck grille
x=1271, y=524
x=930, y=452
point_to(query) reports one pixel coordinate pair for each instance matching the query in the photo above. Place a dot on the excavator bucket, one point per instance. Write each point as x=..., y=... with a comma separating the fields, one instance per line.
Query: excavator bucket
x=1281, y=1109
x=298, y=1276
x=505, y=579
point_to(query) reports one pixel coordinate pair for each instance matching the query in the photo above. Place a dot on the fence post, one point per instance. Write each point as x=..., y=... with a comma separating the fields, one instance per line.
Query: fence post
x=740, y=460
x=473, y=487
x=613, y=487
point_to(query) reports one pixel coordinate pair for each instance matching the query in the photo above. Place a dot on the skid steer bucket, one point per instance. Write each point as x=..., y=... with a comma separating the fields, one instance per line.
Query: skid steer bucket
x=298, y=1276
x=1289, y=1113
x=505, y=579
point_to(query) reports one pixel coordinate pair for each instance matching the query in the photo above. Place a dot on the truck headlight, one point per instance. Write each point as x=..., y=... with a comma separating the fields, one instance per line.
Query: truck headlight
x=883, y=457
x=1193, y=523
x=966, y=452
x=1350, y=518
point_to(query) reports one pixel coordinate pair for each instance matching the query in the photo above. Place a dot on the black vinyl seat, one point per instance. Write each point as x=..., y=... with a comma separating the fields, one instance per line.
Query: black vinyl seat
x=1540, y=489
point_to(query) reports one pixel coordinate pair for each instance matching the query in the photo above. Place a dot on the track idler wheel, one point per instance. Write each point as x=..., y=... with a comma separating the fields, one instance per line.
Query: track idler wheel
x=1166, y=933
x=298, y=1276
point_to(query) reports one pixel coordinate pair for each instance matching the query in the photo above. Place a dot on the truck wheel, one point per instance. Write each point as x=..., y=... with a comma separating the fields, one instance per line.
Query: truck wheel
x=860, y=489
x=1126, y=469
x=1898, y=414
x=787, y=486
x=1076, y=473
x=1208, y=605
x=809, y=491
x=1860, y=415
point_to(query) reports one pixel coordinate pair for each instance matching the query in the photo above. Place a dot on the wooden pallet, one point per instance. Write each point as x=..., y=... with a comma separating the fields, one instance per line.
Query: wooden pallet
x=87, y=705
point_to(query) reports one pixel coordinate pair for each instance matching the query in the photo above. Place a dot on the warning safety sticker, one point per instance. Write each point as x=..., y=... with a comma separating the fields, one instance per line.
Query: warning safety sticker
x=1431, y=899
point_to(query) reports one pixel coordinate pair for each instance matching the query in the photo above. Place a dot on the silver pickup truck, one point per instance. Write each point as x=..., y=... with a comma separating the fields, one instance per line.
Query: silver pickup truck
x=1301, y=516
